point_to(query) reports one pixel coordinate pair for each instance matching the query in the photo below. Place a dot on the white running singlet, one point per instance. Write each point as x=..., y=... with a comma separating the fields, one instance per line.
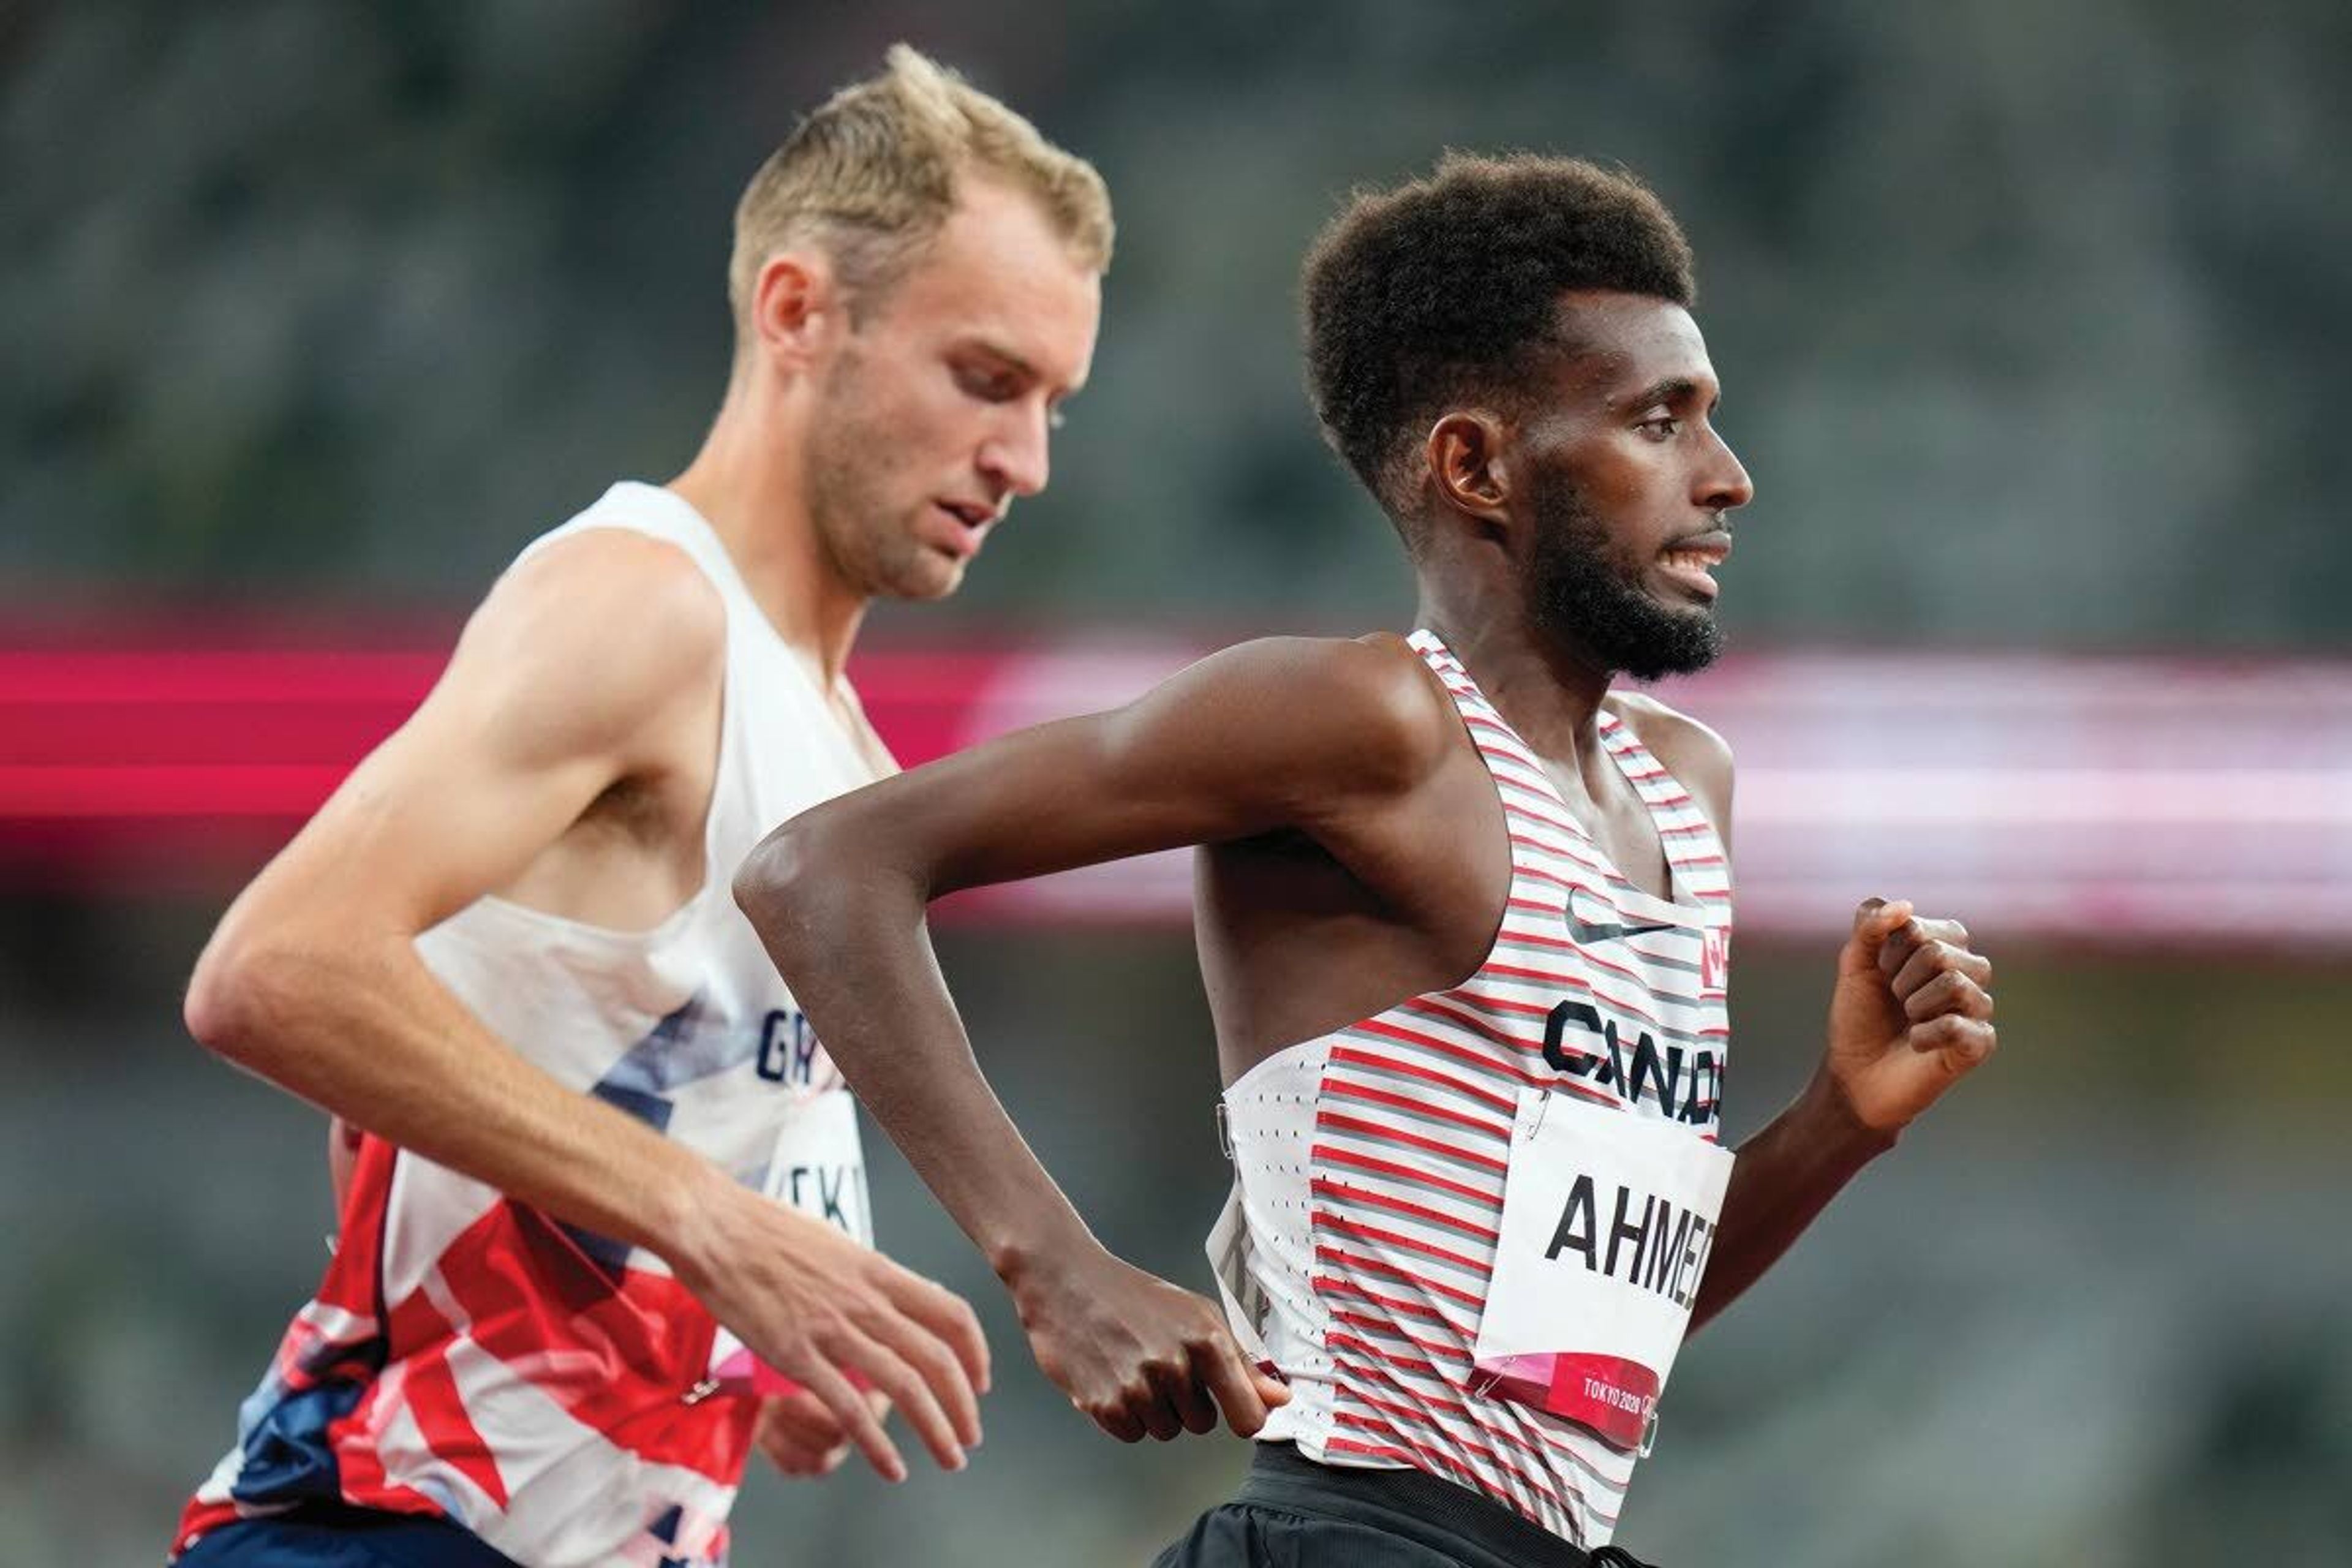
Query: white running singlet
x=469, y=1356
x=1359, y=1243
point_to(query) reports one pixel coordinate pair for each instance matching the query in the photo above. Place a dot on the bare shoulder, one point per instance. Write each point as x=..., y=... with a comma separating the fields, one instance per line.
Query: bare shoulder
x=652, y=587
x=1669, y=732
x=598, y=632
x=1368, y=706
x=623, y=601
x=1697, y=755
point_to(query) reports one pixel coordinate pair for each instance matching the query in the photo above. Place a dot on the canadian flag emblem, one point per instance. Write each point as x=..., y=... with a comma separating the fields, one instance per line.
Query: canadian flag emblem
x=1714, y=956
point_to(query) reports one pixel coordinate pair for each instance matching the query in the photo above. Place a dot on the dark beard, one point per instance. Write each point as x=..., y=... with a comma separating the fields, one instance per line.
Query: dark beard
x=1588, y=596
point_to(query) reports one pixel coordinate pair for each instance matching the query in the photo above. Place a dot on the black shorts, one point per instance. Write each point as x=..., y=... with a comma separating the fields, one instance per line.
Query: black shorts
x=1295, y=1513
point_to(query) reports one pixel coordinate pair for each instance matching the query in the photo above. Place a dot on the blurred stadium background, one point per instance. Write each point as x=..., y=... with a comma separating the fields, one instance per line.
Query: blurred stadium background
x=2031, y=319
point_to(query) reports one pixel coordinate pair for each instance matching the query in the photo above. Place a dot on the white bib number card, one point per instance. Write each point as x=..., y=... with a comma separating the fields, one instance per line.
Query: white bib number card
x=1608, y=1219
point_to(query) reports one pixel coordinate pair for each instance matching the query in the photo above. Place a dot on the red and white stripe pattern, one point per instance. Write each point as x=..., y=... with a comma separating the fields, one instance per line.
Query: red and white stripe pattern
x=1371, y=1161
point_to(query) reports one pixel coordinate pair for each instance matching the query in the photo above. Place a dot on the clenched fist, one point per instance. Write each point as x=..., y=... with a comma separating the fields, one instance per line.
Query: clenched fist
x=1136, y=1354
x=1911, y=1013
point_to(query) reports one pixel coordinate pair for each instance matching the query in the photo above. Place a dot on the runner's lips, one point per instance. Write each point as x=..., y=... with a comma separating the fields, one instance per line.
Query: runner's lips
x=1712, y=547
x=971, y=514
x=1690, y=561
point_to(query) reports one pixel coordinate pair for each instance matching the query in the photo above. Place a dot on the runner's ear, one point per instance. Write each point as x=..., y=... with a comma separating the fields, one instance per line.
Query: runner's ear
x=1467, y=465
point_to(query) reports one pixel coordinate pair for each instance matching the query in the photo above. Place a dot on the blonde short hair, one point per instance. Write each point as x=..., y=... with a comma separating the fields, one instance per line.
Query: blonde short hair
x=872, y=174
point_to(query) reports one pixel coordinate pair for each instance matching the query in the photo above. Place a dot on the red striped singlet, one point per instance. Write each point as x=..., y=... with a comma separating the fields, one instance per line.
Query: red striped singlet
x=1369, y=1162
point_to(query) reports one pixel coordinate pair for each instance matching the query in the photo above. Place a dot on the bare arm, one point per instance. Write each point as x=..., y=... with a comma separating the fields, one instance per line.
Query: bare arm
x=570, y=679
x=1911, y=1013
x=313, y=979
x=1315, y=736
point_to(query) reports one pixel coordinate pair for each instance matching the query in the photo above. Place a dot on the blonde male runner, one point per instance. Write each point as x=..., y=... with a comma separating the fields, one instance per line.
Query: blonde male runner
x=1465, y=917
x=506, y=949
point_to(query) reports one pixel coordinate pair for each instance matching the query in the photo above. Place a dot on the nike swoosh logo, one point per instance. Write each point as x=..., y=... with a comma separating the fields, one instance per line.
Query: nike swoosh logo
x=1584, y=933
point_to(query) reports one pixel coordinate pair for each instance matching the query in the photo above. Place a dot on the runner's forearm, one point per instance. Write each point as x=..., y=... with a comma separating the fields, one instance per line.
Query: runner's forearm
x=1786, y=1174
x=847, y=930
x=365, y=1030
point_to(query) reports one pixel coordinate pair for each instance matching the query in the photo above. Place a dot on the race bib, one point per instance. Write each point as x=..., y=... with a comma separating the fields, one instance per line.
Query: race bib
x=819, y=1165
x=1608, y=1219
x=818, y=1168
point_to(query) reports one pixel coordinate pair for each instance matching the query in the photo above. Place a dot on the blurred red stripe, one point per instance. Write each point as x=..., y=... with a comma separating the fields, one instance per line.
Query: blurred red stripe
x=2097, y=799
x=133, y=791
x=43, y=678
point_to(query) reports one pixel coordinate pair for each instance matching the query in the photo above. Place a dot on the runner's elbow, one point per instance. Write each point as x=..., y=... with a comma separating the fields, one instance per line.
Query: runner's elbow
x=776, y=880
x=244, y=996
x=818, y=874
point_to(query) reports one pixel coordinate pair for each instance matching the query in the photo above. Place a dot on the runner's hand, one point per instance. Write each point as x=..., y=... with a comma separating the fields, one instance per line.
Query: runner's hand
x=1911, y=1013
x=803, y=1438
x=812, y=1303
x=1138, y=1356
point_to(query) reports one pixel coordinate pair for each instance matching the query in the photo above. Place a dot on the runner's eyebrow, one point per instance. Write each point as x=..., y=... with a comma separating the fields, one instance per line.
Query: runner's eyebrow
x=1004, y=357
x=1671, y=391
x=1007, y=359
